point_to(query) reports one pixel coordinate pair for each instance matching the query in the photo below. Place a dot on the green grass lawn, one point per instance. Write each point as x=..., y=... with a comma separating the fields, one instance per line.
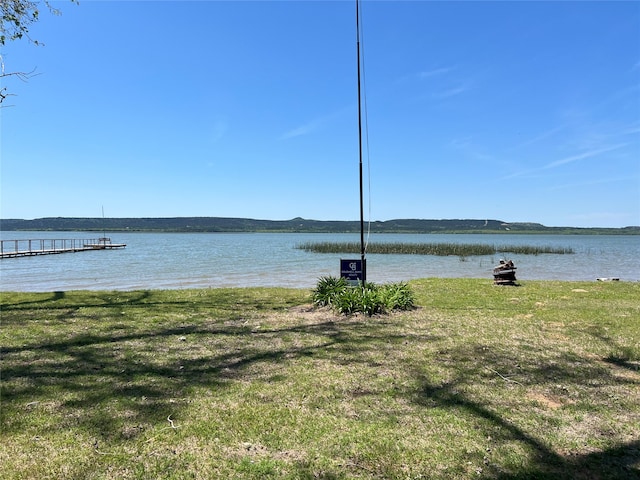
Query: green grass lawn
x=536, y=381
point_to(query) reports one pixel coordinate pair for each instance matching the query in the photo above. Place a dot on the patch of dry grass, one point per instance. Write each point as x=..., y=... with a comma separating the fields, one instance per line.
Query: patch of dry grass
x=536, y=381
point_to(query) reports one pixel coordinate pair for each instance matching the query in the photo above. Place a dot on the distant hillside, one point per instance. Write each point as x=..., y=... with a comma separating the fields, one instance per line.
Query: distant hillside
x=222, y=224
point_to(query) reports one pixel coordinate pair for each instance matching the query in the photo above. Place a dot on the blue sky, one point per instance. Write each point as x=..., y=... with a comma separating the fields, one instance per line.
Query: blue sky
x=517, y=111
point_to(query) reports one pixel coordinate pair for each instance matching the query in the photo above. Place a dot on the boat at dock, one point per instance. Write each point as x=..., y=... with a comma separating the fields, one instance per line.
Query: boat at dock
x=103, y=243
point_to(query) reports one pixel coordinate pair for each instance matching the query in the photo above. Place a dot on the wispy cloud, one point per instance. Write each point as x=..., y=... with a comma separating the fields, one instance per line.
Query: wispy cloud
x=312, y=126
x=620, y=95
x=591, y=183
x=433, y=73
x=451, y=92
x=563, y=161
x=302, y=130
x=632, y=130
x=441, y=85
x=583, y=155
x=543, y=136
x=425, y=74
x=218, y=129
x=470, y=148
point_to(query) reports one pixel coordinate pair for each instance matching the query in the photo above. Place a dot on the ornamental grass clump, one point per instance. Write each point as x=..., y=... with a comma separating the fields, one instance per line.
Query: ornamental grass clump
x=328, y=290
x=367, y=298
x=398, y=296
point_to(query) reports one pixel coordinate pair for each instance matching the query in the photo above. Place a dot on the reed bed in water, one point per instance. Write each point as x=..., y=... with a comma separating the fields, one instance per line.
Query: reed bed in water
x=441, y=249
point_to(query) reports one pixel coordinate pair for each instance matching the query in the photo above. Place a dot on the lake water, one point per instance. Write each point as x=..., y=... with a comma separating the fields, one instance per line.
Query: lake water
x=189, y=260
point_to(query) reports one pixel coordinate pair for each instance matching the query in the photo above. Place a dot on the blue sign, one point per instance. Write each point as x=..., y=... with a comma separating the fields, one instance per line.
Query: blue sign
x=354, y=271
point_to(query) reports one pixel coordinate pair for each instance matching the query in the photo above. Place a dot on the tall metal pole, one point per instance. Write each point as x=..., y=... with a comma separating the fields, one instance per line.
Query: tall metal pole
x=362, y=250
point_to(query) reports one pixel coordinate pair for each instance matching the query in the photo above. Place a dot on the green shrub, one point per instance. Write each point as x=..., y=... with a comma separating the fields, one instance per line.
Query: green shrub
x=327, y=290
x=349, y=301
x=369, y=298
x=398, y=296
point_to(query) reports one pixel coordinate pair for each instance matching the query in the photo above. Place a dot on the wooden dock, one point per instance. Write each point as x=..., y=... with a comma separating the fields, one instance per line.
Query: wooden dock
x=29, y=248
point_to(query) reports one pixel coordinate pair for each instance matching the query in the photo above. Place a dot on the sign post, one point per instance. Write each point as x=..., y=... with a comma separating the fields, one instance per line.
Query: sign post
x=354, y=271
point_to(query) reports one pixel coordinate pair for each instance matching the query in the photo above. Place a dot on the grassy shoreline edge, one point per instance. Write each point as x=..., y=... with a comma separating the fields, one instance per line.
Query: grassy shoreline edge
x=538, y=381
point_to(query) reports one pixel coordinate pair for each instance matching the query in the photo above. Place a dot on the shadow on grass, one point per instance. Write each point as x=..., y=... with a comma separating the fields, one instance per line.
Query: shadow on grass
x=86, y=377
x=118, y=380
x=623, y=361
x=563, y=376
x=614, y=463
x=626, y=356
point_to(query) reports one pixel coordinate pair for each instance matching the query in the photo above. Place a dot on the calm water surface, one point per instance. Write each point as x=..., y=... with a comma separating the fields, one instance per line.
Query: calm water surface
x=187, y=260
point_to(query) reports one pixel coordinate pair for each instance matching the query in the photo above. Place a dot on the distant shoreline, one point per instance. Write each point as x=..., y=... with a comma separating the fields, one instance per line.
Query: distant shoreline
x=297, y=225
